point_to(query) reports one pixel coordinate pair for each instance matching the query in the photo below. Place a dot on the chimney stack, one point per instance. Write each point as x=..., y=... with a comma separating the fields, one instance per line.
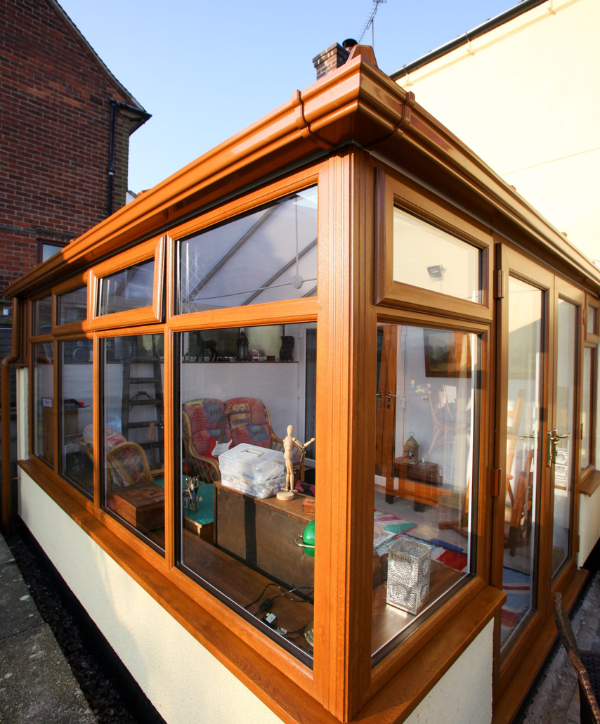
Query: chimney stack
x=332, y=57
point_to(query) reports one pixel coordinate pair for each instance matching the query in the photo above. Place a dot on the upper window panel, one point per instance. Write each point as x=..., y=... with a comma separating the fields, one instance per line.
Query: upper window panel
x=72, y=306
x=427, y=257
x=127, y=289
x=268, y=255
x=42, y=316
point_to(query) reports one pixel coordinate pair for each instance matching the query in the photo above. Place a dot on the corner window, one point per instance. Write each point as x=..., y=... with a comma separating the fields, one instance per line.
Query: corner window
x=426, y=471
x=268, y=255
x=242, y=392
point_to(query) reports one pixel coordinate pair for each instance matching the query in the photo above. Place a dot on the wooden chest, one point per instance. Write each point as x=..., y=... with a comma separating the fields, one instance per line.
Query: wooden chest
x=142, y=505
x=419, y=472
x=262, y=534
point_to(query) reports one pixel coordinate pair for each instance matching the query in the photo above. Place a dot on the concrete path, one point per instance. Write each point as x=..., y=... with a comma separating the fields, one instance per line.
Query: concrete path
x=36, y=683
x=557, y=696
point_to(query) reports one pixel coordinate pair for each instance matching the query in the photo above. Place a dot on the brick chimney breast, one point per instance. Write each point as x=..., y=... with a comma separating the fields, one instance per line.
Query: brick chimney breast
x=330, y=59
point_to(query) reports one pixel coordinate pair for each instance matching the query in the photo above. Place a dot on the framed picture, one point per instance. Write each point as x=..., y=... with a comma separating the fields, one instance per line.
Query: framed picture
x=447, y=354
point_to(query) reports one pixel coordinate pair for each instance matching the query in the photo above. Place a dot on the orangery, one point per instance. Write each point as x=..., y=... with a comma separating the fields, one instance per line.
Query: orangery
x=310, y=428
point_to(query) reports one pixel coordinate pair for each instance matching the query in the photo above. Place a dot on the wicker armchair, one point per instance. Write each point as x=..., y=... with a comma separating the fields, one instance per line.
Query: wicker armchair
x=222, y=427
x=586, y=663
x=128, y=465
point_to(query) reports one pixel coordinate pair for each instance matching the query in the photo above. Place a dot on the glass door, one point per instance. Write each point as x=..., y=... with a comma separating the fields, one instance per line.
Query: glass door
x=563, y=444
x=523, y=377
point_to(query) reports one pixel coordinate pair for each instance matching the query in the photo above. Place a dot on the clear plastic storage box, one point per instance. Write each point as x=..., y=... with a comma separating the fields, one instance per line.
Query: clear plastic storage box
x=253, y=470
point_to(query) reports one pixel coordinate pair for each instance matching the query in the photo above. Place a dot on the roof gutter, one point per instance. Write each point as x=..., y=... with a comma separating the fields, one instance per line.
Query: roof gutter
x=5, y=400
x=514, y=12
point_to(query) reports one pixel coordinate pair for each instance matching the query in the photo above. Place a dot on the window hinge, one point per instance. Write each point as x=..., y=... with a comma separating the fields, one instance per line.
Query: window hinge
x=496, y=474
x=499, y=291
x=577, y=543
x=581, y=431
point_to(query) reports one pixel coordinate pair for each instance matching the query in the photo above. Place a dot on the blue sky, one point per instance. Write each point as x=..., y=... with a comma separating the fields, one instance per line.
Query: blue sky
x=205, y=70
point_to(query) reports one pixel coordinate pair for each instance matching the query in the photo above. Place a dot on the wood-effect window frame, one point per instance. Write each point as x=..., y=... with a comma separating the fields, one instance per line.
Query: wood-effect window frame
x=151, y=249
x=396, y=190
x=345, y=312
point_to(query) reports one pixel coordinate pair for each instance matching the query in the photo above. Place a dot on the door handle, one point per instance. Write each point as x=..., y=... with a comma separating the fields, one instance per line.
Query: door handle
x=378, y=395
x=389, y=398
x=554, y=437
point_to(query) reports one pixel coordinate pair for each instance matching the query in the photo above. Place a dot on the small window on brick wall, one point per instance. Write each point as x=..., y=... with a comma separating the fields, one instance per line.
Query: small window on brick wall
x=46, y=249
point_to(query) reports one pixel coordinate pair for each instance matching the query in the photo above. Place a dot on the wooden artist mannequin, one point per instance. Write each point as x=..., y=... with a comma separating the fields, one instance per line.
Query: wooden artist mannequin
x=289, y=442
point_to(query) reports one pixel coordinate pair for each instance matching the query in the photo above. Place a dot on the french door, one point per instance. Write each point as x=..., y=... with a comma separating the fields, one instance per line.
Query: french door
x=538, y=352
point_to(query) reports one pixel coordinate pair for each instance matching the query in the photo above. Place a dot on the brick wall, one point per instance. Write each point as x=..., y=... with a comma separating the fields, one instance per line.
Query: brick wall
x=54, y=135
x=331, y=58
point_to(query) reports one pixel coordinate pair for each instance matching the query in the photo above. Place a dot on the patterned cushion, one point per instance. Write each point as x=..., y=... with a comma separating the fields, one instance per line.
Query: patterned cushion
x=252, y=434
x=206, y=420
x=202, y=439
x=242, y=411
x=112, y=436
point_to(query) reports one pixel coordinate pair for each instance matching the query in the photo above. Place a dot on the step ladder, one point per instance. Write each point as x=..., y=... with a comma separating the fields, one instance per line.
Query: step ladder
x=149, y=421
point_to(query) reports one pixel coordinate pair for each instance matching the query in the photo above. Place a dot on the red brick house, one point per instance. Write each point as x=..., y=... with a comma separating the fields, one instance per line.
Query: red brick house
x=66, y=122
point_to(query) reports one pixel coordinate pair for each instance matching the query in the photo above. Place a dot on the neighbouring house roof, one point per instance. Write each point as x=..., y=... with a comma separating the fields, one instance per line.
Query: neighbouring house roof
x=133, y=104
x=495, y=22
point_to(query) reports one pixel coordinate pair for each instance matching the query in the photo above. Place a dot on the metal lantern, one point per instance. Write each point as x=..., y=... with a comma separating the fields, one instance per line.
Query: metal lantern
x=242, y=347
x=411, y=449
x=409, y=566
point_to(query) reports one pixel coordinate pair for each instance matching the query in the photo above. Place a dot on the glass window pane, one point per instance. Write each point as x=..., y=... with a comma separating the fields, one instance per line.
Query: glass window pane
x=49, y=250
x=523, y=445
x=132, y=415
x=586, y=408
x=240, y=389
x=42, y=316
x=426, y=466
x=72, y=306
x=43, y=408
x=430, y=258
x=592, y=320
x=565, y=426
x=265, y=256
x=127, y=289
x=76, y=440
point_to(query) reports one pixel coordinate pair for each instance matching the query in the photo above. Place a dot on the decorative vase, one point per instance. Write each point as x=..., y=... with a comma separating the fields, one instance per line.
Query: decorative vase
x=286, y=353
x=409, y=570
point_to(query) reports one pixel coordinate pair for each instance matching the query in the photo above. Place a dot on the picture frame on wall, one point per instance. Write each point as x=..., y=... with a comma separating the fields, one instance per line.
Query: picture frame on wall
x=447, y=354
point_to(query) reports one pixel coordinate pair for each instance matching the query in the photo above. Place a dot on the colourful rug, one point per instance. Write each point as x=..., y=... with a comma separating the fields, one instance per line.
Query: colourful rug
x=517, y=586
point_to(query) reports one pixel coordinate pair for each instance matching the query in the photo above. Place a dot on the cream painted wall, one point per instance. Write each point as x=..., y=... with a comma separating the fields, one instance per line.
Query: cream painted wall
x=464, y=694
x=185, y=683
x=589, y=524
x=524, y=98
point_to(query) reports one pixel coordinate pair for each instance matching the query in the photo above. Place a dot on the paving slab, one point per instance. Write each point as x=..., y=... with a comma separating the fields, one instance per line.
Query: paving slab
x=36, y=683
x=18, y=612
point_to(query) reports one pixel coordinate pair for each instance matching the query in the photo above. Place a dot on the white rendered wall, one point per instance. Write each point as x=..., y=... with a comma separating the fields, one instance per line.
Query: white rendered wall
x=185, y=682
x=589, y=524
x=464, y=694
x=524, y=98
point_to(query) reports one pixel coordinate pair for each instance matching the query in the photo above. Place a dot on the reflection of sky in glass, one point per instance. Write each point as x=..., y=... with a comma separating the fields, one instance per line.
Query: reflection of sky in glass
x=253, y=259
x=130, y=288
x=427, y=257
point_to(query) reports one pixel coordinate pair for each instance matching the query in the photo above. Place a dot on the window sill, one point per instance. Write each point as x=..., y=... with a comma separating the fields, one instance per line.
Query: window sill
x=590, y=484
x=219, y=631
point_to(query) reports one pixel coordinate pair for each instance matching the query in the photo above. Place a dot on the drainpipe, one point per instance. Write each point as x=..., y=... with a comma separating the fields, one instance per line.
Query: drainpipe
x=5, y=384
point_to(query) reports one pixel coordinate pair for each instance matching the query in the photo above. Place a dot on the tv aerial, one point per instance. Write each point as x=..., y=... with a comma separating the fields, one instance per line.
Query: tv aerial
x=371, y=22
